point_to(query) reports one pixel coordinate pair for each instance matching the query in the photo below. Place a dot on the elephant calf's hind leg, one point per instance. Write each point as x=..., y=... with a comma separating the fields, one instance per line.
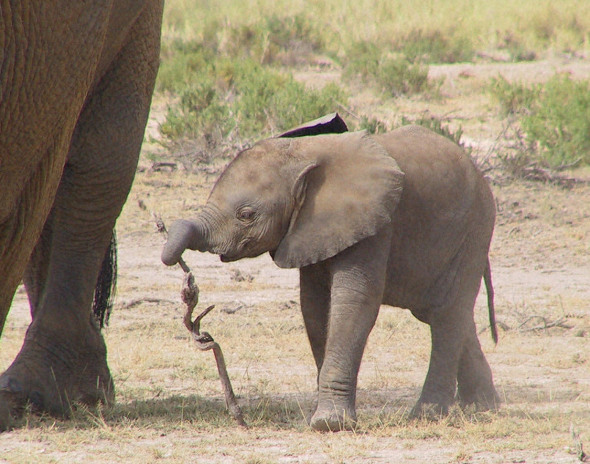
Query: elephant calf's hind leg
x=438, y=392
x=475, y=384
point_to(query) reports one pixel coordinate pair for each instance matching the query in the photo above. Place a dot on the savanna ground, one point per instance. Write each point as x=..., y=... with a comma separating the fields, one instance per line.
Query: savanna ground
x=170, y=405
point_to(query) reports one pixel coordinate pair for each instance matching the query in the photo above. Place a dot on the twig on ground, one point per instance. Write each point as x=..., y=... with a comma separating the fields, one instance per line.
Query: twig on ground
x=138, y=301
x=502, y=325
x=546, y=324
x=162, y=165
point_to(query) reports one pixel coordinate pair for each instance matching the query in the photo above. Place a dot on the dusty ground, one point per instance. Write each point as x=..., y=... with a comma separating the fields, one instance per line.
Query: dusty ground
x=169, y=401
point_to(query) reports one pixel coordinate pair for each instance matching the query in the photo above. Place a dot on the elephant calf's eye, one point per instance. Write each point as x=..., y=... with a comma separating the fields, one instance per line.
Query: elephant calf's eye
x=246, y=214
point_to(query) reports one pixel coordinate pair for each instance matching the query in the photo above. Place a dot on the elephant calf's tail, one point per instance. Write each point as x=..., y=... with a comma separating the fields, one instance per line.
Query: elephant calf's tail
x=106, y=284
x=487, y=278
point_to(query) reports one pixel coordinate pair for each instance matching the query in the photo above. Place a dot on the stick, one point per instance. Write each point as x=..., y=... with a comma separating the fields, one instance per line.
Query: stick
x=561, y=322
x=205, y=342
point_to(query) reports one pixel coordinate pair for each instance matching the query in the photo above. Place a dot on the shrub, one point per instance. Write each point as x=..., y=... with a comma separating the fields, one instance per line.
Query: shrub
x=372, y=125
x=515, y=47
x=362, y=60
x=398, y=76
x=555, y=116
x=181, y=61
x=289, y=39
x=394, y=75
x=199, y=113
x=435, y=124
x=243, y=96
x=560, y=121
x=514, y=98
x=434, y=47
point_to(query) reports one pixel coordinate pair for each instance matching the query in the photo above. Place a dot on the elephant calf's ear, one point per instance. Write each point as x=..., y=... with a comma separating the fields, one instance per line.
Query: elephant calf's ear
x=329, y=124
x=348, y=192
x=298, y=192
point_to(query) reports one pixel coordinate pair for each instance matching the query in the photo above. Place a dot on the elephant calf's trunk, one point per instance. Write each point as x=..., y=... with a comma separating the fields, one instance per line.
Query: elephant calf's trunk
x=182, y=235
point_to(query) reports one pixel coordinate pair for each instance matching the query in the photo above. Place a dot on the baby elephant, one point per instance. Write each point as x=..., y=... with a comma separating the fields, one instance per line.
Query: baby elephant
x=403, y=219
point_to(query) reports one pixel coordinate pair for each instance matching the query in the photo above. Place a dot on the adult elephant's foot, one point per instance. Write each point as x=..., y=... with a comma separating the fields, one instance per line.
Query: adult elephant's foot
x=332, y=417
x=54, y=370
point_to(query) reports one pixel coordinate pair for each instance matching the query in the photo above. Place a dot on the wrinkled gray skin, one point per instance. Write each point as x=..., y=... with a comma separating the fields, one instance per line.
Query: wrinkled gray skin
x=76, y=80
x=403, y=219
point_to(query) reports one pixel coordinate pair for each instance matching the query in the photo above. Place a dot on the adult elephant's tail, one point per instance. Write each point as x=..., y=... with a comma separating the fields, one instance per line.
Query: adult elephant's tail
x=487, y=278
x=104, y=293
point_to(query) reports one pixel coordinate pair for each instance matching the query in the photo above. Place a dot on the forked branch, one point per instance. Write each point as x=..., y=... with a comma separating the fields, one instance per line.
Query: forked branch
x=204, y=341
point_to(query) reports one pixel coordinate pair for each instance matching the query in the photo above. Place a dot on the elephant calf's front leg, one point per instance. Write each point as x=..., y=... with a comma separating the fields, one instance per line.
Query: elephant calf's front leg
x=356, y=293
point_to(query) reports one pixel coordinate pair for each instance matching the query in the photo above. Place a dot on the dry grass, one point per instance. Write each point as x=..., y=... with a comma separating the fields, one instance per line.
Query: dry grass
x=531, y=24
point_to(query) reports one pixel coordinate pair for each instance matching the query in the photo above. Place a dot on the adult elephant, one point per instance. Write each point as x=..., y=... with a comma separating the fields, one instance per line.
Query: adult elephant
x=76, y=80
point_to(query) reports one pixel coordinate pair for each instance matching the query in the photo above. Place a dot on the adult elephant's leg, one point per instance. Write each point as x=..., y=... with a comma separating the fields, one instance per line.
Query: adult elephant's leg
x=358, y=276
x=63, y=358
x=314, y=285
x=37, y=269
x=41, y=100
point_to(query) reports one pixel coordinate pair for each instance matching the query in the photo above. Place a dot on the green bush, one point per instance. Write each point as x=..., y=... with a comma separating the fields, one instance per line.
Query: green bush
x=243, y=96
x=372, y=125
x=555, y=116
x=221, y=84
x=394, y=75
x=514, y=45
x=199, y=113
x=560, y=121
x=435, y=124
x=362, y=60
x=513, y=98
x=284, y=35
x=435, y=47
x=397, y=76
x=181, y=61
x=271, y=40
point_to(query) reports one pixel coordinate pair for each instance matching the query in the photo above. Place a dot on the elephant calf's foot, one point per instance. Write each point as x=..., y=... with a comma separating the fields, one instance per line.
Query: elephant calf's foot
x=433, y=403
x=332, y=418
x=429, y=411
x=483, y=399
x=54, y=372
